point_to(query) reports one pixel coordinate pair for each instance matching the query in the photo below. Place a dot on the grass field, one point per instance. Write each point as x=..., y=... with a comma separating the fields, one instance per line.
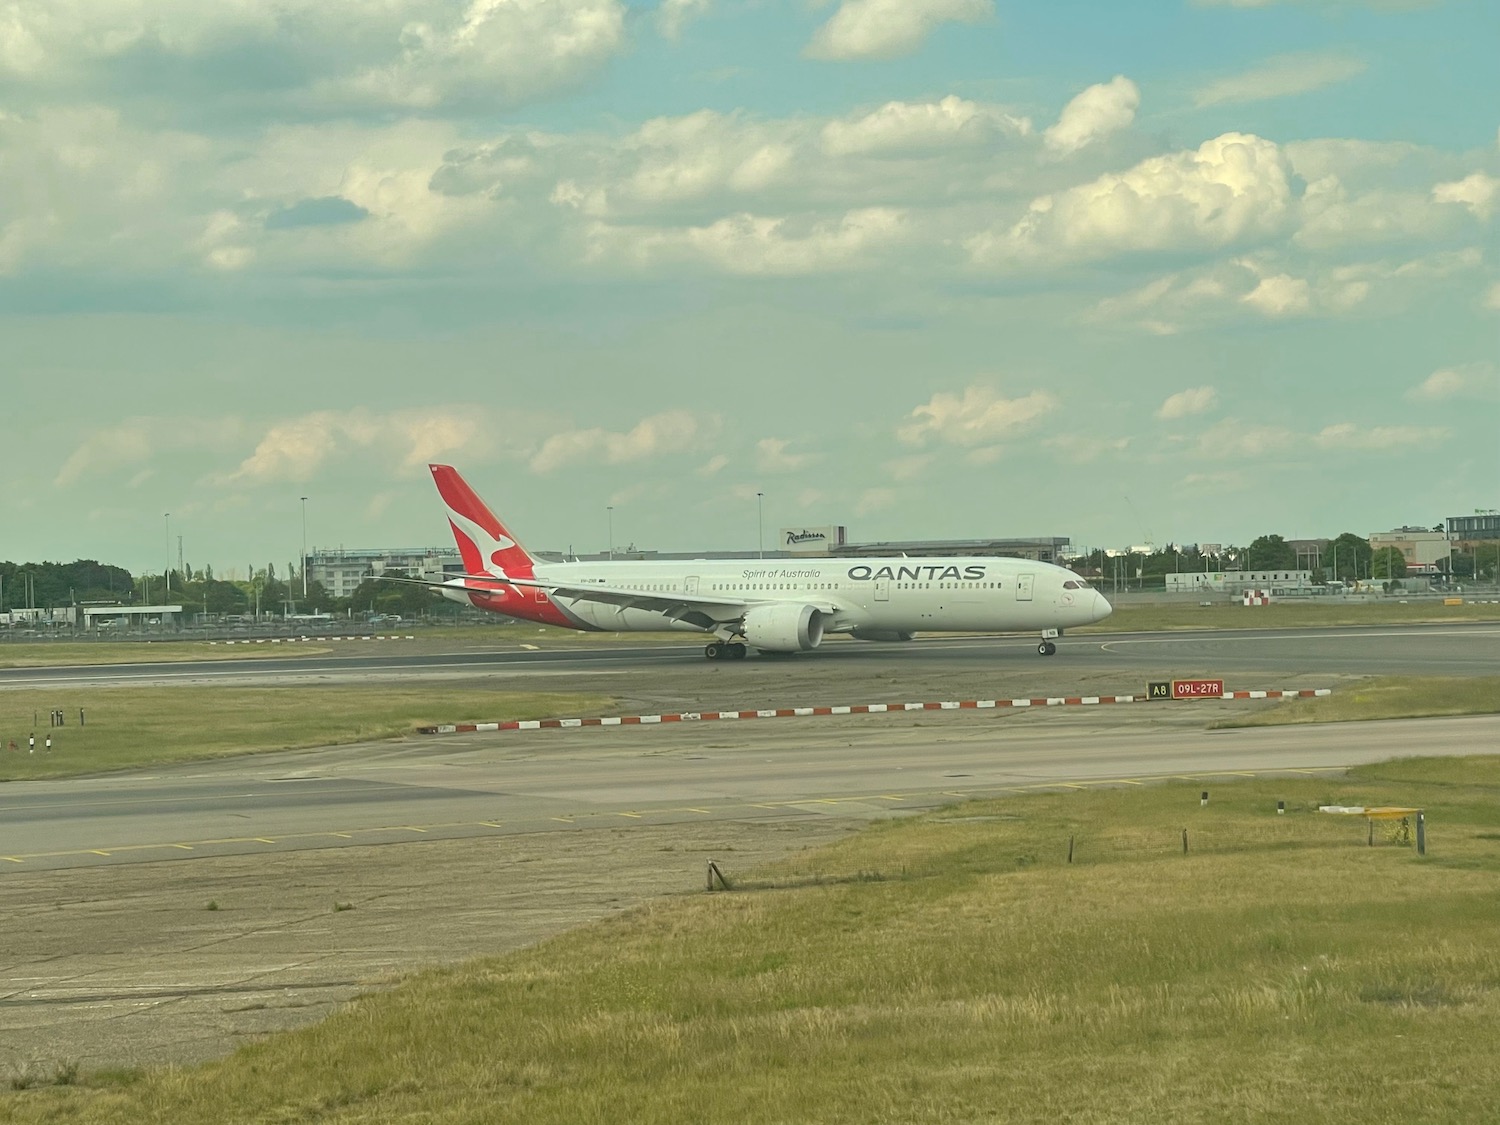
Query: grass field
x=953, y=968
x=154, y=725
x=1385, y=697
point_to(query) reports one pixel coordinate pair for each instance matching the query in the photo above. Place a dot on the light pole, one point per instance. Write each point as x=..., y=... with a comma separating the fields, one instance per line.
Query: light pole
x=304, y=552
x=760, y=526
x=166, y=570
x=609, y=514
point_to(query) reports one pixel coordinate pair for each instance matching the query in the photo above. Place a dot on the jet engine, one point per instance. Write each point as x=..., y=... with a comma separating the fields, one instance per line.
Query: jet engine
x=863, y=633
x=784, y=628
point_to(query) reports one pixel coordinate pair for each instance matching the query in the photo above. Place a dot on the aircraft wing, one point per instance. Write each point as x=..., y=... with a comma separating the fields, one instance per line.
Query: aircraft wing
x=671, y=604
x=687, y=607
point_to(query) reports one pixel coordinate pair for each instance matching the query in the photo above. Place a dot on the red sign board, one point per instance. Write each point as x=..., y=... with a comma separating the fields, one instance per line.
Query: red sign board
x=1197, y=689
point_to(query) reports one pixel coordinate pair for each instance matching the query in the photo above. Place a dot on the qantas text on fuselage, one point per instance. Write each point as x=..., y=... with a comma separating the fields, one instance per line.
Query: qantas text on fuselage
x=771, y=608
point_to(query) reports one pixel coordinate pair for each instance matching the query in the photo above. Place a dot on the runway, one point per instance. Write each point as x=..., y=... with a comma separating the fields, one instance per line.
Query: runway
x=1459, y=649
x=482, y=786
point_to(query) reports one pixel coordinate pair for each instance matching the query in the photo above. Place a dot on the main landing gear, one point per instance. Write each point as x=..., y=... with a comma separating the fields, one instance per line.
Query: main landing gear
x=1047, y=648
x=724, y=650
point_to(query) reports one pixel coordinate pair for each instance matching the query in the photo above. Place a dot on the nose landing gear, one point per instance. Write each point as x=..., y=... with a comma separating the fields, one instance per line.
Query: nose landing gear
x=1047, y=648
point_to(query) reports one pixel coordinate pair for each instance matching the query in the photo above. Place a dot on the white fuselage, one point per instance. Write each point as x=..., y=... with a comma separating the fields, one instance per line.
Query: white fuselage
x=857, y=595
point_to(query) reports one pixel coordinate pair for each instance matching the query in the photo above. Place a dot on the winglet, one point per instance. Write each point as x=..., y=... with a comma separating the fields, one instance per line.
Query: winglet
x=483, y=541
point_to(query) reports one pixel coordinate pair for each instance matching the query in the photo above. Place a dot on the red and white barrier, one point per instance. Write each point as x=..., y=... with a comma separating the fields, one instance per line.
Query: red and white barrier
x=1256, y=597
x=300, y=639
x=851, y=709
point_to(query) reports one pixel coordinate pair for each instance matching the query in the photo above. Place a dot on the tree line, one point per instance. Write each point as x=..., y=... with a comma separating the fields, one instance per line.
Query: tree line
x=52, y=585
x=1346, y=558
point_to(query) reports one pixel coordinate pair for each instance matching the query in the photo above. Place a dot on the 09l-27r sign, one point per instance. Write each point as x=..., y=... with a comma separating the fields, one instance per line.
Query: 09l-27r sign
x=1197, y=689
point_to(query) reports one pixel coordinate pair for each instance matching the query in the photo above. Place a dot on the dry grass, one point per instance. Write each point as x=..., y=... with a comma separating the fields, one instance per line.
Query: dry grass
x=955, y=968
x=1385, y=697
x=155, y=725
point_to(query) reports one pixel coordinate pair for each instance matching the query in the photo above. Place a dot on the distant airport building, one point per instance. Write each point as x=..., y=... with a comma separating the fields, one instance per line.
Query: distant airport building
x=812, y=540
x=130, y=616
x=1047, y=550
x=340, y=572
x=1421, y=547
x=1273, y=582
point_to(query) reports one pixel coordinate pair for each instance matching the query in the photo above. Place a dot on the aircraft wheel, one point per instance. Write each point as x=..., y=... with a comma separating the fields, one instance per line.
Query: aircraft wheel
x=737, y=651
x=713, y=650
x=1046, y=648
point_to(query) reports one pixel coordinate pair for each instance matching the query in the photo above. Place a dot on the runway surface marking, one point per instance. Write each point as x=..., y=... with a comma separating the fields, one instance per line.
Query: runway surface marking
x=458, y=828
x=850, y=709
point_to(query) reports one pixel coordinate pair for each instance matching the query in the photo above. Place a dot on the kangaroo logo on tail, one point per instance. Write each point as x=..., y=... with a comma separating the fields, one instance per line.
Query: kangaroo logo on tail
x=483, y=542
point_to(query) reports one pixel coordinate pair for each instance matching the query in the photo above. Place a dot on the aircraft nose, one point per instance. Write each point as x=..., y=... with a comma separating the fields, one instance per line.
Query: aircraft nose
x=1102, y=608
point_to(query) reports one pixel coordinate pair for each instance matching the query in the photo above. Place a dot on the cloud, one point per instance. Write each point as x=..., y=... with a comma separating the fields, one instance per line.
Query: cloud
x=1194, y=400
x=906, y=127
x=1492, y=297
x=874, y=500
x=1468, y=381
x=672, y=431
x=328, y=210
x=1094, y=114
x=1477, y=192
x=1233, y=188
x=883, y=29
x=108, y=450
x=771, y=456
x=1254, y=285
x=1233, y=437
x=316, y=57
x=978, y=416
x=755, y=244
x=1393, y=5
x=674, y=15
x=296, y=449
x=1347, y=435
x=1280, y=295
x=1280, y=77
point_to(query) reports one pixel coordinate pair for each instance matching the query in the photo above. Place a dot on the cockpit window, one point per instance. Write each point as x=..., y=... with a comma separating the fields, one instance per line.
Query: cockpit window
x=1071, y=584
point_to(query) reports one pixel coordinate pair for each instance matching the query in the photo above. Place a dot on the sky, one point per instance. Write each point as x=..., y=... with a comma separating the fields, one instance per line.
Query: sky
x=1160, y=272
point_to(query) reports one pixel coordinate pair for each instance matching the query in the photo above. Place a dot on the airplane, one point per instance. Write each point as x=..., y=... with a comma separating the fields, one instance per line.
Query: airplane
x=775, y=606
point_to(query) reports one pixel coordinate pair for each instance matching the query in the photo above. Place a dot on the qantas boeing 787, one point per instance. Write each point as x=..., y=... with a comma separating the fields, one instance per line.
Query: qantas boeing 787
x=773, y=605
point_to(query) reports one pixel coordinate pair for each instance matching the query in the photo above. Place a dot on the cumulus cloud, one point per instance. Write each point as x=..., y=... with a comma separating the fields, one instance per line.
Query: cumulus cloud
x=1281, y=295
x=672, y=431
x=978, y=416
x=1492, y=297
x=1347, y=435
x=773, y=456
x=674, y=15
x=296, y=449
x=1280, y=77
x=755, y=244
x=1477, y=192
x=1233, y=188
x=418, y=54
x=1194, y=400
x=1472, y=380
x=1235, y=438
x=903, y=127
x=883, y=29
x=1095, y=113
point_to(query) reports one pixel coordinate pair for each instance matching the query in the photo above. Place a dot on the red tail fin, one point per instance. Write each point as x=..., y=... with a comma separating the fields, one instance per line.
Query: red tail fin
x=483, y=542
